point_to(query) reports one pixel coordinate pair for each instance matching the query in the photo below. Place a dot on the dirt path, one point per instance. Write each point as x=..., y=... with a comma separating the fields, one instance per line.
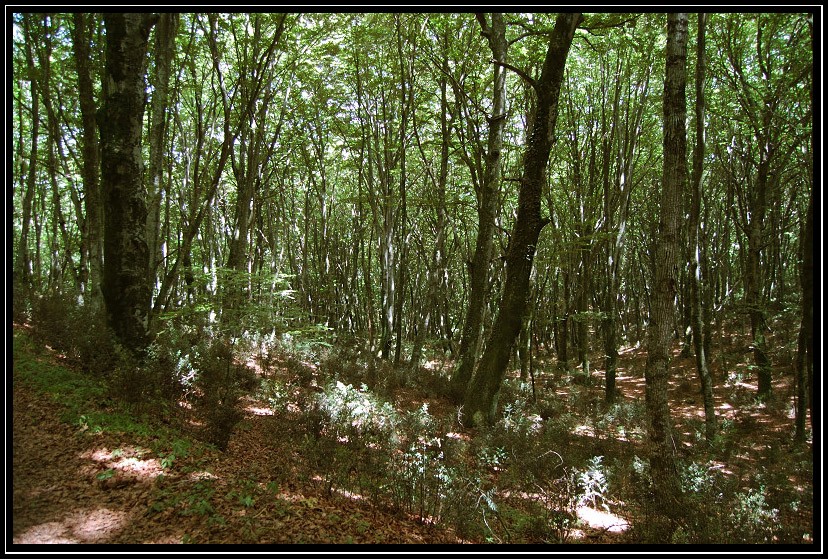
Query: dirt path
x=71, y=487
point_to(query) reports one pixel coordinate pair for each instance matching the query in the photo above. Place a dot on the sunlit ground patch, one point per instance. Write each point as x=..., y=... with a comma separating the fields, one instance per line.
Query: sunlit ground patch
x=81, y=526
x=602, y=520
x=128, y=460
x=259, y=411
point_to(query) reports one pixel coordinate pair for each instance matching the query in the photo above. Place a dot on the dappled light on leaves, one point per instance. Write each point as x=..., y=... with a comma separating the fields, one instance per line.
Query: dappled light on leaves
x=412, y=277
x=126, y=461
x=602, y=520
x=82, y=526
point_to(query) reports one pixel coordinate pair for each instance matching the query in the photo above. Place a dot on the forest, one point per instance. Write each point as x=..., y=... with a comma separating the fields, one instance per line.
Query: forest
x=411, y=278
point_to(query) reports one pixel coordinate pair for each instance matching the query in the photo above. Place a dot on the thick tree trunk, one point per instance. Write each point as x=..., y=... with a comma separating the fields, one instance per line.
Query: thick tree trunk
x=697, y=315
x=126, y=258
x=667, y=486
x=487, y=208
x=480, y=403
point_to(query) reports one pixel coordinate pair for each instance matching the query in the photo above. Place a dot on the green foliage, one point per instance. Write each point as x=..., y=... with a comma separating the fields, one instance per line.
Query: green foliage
x=332, y=157
x=353, y=411
x=84, y=399
x=625, y=419
x=206, y=369
x=106, y=474
x=752, y=519
x=55, y=319
x=592, y=482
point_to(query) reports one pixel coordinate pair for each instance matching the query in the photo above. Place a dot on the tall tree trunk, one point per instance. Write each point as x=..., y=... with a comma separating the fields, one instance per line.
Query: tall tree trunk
x=666, y=482
x=562, y=336
x=126, y=257
x=93, y=202
x=753, y=278
x=697, y=314
x=165, y=33
x=437, y=284
x=406, y=102
x=487, y=208
x=60, y=239
x=24, y=261
x=805, y=351
x=807, y=278
x=481, y=398
x=808, y=301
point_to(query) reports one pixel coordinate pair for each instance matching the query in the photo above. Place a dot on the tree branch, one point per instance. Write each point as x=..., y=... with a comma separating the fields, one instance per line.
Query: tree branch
x=531, y=81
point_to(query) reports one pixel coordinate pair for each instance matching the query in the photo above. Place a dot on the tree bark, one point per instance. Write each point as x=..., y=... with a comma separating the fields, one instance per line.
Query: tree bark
x=437, y=283
x=805, y=357
x=666, y=482
x=697, y=314
x=481, y=398
x=24, y=261
x=93, y=202
x=165, y=33
x=126, y=258
x=487, y=207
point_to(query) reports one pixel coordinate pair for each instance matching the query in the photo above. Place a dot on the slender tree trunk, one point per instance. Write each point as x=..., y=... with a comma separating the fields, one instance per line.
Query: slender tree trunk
x=487, y=208
x=165, y=33
x=24, y=261
x=199, y=208
x=805, y=358
x=753, y=277
x=582, y=301
x=482, y=396
x=666, y=482
x=807, y=278
x=437, y=284
x=90, y=171
x=562, y=338
x=697, y=315
x=60, y=238
x=126, y=257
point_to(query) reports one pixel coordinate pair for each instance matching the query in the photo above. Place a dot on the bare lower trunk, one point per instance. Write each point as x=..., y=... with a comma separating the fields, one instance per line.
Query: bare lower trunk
x=480, y=404
x=126, y=257
x=697, y=314
x=487, y=208
x=666, y=483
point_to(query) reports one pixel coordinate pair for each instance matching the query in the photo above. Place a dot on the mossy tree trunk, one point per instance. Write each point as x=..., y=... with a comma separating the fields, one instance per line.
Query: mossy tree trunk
x=480, y=403
x=126, y=287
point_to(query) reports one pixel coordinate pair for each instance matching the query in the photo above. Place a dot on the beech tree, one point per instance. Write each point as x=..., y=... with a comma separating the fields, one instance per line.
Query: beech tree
x=480, y=404
x=698, y=317
x=495, y=35
x=126, y=255
x=667, y=486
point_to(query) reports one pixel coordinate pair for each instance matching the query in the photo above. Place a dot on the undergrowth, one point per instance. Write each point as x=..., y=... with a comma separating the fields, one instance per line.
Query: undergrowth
x=528, y=478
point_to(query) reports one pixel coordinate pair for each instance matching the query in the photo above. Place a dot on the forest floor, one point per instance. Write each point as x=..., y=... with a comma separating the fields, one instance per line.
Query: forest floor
x=74, y=485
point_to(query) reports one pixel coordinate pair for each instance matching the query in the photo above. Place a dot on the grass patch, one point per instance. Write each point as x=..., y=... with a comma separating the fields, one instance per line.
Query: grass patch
x=67, y=387
x=85, y=399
